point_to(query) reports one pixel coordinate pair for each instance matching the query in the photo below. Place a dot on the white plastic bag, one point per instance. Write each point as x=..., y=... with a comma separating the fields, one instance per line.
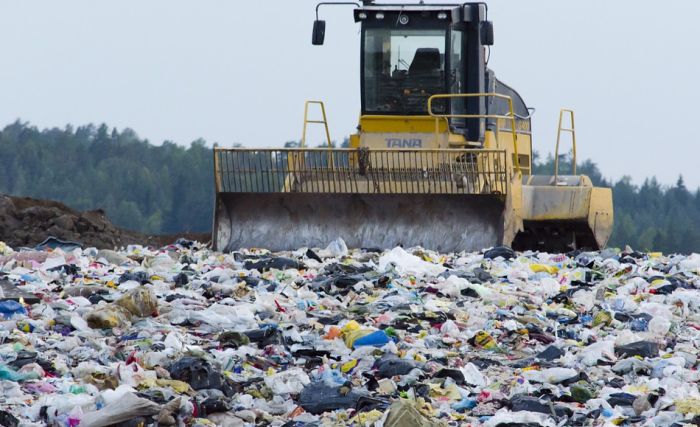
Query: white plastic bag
x=551, y=375
x=406, y=263
x=287, y=382
x=337, y=248
x=128, y=407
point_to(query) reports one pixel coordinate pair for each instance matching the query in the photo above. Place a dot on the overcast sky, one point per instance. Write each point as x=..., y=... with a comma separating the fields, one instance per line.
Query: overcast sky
x=233, y=71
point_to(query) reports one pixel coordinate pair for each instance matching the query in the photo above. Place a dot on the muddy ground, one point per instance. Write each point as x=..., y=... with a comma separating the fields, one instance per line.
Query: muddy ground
x=26, y=222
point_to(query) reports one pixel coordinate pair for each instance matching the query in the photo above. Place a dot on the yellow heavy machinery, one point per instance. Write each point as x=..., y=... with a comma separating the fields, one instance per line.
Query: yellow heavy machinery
x=442, y=157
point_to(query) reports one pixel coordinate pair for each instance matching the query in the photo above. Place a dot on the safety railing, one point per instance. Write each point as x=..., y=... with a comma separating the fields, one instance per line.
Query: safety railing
x=510, y=116
x=572, y=131
x=361, y=170
x=323, y=122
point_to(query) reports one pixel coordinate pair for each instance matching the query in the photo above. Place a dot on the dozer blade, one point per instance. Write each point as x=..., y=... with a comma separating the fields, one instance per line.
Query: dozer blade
x=447, y=200
x=283, y=221
x=564, y=213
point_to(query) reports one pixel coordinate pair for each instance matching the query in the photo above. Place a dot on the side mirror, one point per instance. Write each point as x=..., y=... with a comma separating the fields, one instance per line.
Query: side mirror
x=319, y=33
x=487, y=33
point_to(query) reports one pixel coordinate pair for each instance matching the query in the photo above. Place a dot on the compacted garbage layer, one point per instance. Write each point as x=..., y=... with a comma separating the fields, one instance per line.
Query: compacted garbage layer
x=404, y=337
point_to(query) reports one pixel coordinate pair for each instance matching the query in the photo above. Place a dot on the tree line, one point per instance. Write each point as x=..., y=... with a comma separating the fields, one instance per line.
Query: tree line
x=169, y=188
x=163, y=188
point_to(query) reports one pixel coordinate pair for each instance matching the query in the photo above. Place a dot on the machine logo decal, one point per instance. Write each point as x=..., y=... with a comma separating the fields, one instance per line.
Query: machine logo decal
x=404, y=142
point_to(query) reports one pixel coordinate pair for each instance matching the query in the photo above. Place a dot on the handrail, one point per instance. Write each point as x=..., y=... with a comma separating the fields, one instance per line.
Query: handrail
x=324, y=122
x=571, y=130
x=510, y=116
x=387, y=150
x=362, y=170
x=307, y=121
x=530, y=113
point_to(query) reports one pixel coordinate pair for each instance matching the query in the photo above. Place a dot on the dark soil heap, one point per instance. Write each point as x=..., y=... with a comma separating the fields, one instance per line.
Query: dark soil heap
x=27, y=222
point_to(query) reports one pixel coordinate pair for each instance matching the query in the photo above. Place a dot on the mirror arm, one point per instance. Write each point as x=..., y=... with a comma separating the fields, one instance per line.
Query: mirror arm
x=335, y=3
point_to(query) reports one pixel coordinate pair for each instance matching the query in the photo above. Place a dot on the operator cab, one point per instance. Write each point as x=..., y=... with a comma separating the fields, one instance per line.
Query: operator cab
x=403, y=61
x=411, y=52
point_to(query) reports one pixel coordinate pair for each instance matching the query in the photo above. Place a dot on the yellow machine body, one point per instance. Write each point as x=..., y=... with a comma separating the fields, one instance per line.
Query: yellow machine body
x=454, y=173
x=440, y=195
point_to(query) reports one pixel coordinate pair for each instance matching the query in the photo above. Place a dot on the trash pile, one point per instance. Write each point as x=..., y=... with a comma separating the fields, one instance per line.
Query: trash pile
x=183, y=335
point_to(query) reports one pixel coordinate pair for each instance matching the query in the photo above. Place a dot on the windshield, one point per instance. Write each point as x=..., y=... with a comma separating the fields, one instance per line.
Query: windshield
x=402, y=69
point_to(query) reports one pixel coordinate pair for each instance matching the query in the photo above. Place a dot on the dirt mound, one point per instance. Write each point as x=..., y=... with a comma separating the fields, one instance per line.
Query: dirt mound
x=27, y=222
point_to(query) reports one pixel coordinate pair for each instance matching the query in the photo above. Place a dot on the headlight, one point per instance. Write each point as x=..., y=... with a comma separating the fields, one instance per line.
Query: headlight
x=403, y=19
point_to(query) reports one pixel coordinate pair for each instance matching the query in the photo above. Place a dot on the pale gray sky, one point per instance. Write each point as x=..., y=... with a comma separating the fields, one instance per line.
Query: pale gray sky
x=234, y=71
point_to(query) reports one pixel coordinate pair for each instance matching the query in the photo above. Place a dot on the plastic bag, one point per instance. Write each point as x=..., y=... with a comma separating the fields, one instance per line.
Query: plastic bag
x=504, y=417
x=140, y=302
x=337, y=248
x=289, y=381
x=317, y=398
x=405, y=263
x=404, y=414
x=108, y=316
x=551, y=375
x=128, y=407
x=10, y=309
x=7, y=373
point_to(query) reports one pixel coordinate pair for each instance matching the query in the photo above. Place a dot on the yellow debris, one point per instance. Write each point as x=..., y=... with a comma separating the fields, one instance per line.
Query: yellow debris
x=350, y=326
x=602, y=318
x=484, y=340
x=177, y=386
x=542, y=268
x=450, y=393
x=348, y=366
x=688, y=406
x=368, y=418
x=352, y=336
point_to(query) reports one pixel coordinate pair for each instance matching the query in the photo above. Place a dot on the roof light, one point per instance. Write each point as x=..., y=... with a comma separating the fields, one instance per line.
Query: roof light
x=362, y=15
x=442, y=15
x=380, y=15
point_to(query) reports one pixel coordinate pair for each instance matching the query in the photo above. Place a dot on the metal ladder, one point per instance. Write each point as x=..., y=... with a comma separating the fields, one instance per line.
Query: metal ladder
x=324, y=122
x=571, y=130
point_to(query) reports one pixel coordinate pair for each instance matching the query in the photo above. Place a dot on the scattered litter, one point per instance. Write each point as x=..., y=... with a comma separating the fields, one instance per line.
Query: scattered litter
x=335, y=336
